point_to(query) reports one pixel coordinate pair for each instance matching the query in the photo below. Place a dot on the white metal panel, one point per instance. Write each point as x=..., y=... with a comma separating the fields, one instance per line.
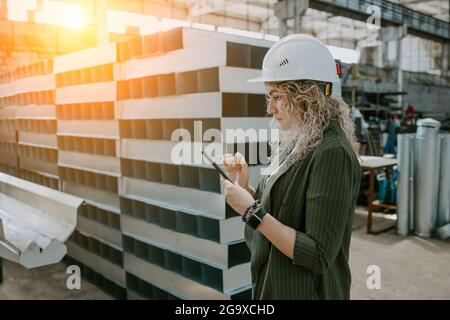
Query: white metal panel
x=43, y=112
x=90, y=162
x=197, y=105
x=39, y=166
x=89, y=128
x=187, y=199
x=193, y=37
x=33, y=139
x=199, y=57
x=100, y=198
x=91, y=92
x=8, y=112
x=86, y=58
x=34, y=84
x=235, y=80
x=108, y=235
x=7, y=89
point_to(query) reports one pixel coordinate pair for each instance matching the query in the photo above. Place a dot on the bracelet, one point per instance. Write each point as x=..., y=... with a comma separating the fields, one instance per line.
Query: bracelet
x=254, y=215
x=249, y=210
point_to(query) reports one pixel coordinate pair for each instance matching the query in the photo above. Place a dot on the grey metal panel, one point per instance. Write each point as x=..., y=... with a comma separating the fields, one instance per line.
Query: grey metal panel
x=179, y=285
x=131, y=295
x=200, y=249
x=100, y=198
x=97, y=263
x=100, y=231
x=91, y=162
x=39, y=166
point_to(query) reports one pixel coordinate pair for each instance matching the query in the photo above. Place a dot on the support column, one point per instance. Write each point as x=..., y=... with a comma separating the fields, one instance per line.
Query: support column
x=391, y=38
x=290, y=9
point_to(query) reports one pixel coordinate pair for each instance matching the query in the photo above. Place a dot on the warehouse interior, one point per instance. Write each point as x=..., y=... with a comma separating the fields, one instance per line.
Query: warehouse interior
x=91, y=92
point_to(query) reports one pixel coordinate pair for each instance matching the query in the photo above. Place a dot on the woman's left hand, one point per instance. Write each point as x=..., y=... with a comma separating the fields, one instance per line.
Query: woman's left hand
x=237, y=197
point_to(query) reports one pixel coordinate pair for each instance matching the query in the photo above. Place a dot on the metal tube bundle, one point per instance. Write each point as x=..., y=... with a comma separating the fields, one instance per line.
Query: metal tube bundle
x=426, y=177
x=405, y=200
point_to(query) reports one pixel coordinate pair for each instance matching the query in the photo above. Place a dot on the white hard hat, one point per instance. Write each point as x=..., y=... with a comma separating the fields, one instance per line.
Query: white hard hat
x=298, y=57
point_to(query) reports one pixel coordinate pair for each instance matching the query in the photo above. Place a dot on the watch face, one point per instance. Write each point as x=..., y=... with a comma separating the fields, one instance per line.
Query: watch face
x=254, y=221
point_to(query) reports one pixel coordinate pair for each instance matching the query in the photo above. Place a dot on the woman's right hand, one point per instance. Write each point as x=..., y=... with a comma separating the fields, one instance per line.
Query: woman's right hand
x=236, y=168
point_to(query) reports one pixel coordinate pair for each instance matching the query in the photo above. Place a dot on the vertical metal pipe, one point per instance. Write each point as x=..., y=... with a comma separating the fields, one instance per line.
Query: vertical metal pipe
x=426, y=173
x=405, y=183
x=444, y=181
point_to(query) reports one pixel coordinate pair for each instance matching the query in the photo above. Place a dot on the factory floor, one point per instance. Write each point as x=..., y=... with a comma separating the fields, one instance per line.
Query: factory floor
x=410, y=268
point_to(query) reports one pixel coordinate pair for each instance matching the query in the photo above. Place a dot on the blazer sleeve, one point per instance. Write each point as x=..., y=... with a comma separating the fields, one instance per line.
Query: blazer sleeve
x=329, y=197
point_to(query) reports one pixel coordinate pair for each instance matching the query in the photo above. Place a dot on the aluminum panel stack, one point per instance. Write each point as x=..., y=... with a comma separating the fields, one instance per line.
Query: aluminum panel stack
x=89, y=167
x=36, y=123
x=8, y=135
x=152, y=227
x=179, y=237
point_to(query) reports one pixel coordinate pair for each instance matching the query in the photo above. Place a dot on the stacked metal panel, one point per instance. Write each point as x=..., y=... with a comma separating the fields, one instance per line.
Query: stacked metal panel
x=179, y=237
x=100, y=127
x=89, y=167
x=8, y=135
x=36, y=123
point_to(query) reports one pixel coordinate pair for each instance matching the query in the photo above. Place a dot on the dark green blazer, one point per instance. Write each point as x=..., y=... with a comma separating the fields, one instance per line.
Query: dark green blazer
x=316, y=197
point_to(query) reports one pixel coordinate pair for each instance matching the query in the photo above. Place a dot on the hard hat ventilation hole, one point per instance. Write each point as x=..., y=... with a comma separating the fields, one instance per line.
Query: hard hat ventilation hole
x=283, y=63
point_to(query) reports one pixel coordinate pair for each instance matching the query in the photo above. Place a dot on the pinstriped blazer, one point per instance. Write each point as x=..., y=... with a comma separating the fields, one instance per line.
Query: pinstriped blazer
x=316, y=197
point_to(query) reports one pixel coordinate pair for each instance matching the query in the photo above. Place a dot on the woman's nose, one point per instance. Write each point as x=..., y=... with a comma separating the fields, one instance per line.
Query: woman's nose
x=271, y=109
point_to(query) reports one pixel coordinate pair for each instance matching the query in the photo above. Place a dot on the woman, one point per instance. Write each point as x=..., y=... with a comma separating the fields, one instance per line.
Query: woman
x=299, y=218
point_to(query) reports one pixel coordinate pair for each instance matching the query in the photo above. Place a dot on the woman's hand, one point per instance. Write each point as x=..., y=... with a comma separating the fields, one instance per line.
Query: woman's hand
x=236, y=168
x=237, y=197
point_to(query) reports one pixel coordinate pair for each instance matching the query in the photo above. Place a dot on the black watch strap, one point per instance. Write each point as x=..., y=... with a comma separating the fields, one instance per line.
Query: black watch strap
x=255, y=219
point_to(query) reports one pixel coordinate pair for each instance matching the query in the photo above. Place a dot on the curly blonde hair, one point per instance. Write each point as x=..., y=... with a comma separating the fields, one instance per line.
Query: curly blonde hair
x=310, y=112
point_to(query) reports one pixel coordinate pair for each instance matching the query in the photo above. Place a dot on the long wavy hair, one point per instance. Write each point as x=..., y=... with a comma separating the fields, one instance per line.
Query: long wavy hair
x=310, y=112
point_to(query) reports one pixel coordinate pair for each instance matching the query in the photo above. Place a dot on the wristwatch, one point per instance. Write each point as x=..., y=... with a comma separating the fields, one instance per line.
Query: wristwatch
x=254, y=215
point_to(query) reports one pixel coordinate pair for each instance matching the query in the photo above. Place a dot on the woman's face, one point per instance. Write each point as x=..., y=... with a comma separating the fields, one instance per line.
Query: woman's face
x=276, y=106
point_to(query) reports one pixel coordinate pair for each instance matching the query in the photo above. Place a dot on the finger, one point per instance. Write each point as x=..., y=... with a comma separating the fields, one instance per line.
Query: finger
x=227, y=183
x=229, y=160
x=225, y=156
x=240, y=159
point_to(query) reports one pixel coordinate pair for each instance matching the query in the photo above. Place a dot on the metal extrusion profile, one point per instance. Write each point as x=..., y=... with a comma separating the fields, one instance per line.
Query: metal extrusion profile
x=35, y=222
x=444, y=182
x=405, y=183
x=426, y=174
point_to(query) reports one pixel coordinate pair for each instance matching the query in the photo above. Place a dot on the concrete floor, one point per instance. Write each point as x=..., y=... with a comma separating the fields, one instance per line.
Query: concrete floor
x=45, y=283
x=410, y=268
